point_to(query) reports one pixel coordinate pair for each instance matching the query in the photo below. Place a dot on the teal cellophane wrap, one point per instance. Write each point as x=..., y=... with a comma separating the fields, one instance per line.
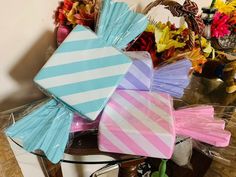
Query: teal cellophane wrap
x=47, y=127
x=38, y=130
x=118, y=25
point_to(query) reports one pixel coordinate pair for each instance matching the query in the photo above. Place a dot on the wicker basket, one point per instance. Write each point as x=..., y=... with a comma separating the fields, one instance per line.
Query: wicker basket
x=167, y=4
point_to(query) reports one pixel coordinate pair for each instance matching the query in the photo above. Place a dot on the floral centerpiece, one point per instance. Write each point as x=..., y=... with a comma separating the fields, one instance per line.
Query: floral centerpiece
x=224, y=21
x=223, y=26
x=73, y=12
x=165, y=42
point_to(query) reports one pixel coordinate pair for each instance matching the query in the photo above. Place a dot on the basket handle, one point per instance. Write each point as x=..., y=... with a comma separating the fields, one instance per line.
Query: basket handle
x=189, y=17
x=152, y=5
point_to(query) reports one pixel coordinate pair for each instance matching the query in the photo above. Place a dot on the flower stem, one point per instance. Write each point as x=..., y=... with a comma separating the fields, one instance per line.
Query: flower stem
x=212, y=3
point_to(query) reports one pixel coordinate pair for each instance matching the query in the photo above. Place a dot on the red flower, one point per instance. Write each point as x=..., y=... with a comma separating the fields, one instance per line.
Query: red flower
x=167, y=54
x=145, y=42
x=220, y=25
x=173, y=27
x=86, y=19
x=67, y=5
x=60, y=17
x=185, y=33
x=72, y=12
x=232, y=21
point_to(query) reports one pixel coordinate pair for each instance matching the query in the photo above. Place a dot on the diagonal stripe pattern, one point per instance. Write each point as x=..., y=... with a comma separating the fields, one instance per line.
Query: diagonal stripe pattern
x=139, y=74
x=83, y=72
x=138, y=123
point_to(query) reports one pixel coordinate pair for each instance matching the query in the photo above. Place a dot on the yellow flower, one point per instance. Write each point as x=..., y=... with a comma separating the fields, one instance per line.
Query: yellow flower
x=161, y=25
x=165, y=36
x=150, y=28
x=197, y=59
x=206, y=46
x=208, y=50
x=71, y=13
x=164, y=41
x=225, y=7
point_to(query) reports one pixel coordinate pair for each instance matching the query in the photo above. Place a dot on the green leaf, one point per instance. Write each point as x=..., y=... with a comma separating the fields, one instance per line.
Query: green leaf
x=155, y=174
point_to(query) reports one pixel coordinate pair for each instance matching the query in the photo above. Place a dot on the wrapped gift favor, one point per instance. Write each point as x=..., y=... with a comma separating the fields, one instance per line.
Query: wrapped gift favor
x=79, y=124
x=138, y=123
x=81, y=76
x=170, y=78
x=83, y=72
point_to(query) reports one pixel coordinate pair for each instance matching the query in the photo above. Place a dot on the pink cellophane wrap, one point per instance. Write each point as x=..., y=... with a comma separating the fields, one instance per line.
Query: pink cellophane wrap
x=62, y=33
x=80, y=124
x=199, y=123
x=138, y=123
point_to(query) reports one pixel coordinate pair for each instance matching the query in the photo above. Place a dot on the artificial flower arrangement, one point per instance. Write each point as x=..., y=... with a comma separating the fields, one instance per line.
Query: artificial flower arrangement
x=224, y=20
x=73, y=12
x=161, y=41
x=222, y=36
x=165, y=42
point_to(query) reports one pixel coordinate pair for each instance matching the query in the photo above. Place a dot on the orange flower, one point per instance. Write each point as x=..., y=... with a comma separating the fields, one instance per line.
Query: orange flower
x=72, y=12
x=197, y=59
x=86, y=16
x=232, y=20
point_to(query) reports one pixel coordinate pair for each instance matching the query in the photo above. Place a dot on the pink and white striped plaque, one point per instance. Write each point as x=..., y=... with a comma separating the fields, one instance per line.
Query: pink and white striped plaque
x=138, y=123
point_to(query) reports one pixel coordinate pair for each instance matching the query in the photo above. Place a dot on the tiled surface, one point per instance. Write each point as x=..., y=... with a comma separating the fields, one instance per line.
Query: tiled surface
x=8, y=164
